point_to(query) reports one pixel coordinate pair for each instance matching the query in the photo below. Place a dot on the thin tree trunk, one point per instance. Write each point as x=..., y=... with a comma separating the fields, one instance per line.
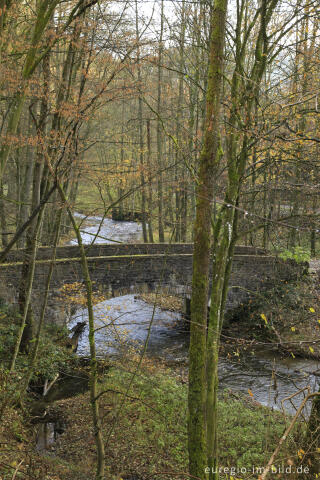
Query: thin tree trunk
x=34, y=356
x=197, y=427
x=159, y=132
x=100, y=473
x=27, y=296
x=44, y=13
x=26, y=191
x=34, y=229
x=179, y=172
x=141, y=144
x=150, y=205
x=3, y=220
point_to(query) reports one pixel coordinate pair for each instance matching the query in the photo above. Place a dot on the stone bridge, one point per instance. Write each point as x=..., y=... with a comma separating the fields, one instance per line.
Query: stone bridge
x=124, y=268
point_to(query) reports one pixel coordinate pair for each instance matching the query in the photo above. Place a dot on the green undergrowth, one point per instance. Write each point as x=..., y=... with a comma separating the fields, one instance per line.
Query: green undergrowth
x=298, y=254
x=145, y=429
x=53, y=356
x=246, y=431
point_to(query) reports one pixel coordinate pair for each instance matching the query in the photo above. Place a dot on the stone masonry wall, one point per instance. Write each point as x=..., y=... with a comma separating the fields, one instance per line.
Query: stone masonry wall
x=106, y=250
x=145, y=266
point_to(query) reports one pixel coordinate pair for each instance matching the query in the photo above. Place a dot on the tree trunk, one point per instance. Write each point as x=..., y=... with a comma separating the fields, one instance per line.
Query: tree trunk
x=34, y=229
x=32, y=363
x=3, y=220
x=100, y=473
x=197, y=441
x=150, y=205
x=44, y=13
x=141, y=145
x=159, y=132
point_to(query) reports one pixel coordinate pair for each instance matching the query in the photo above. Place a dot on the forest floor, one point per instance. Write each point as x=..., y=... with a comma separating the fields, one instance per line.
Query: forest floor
x=145, y=432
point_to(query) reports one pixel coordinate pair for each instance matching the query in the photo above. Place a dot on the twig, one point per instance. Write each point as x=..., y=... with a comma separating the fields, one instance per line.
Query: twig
x=47, y=386
x=130, y=397
x=285, y=435
x=290, y=397
x=16, y=470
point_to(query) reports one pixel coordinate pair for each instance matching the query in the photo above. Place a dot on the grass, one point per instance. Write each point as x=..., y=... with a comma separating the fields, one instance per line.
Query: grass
x=156, y=424
x=88, y=198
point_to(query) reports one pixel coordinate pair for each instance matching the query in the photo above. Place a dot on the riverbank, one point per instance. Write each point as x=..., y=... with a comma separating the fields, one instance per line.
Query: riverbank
x=163, y=300
x=145, y=431
x=286, y=319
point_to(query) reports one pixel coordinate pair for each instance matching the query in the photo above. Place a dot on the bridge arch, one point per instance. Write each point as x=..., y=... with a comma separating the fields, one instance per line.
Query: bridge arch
x=124, y=268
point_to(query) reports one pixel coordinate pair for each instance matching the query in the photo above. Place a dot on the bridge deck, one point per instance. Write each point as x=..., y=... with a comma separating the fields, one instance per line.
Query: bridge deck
x=108, y=250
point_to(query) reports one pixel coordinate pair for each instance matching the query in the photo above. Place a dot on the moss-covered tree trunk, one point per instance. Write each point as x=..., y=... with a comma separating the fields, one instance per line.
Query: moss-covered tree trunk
x=312, y=440
x=204, y=352
x=202, y=243
x=243, y=98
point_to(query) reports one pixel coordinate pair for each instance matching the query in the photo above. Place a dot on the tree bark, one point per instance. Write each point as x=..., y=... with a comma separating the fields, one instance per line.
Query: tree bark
x=149, y=166
x=100, y=473
x=159, y=132
x=197, y=427
x=141, y=145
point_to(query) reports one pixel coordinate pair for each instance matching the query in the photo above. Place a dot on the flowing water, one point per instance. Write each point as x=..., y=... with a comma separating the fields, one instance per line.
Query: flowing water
x=108, y=230
x=125, y=322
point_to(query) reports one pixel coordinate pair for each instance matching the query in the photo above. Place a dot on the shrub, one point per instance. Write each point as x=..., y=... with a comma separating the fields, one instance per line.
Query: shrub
x=299, y=254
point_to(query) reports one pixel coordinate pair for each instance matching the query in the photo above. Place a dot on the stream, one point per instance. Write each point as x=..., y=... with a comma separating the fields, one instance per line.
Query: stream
x=108, y=230
x=123, y=323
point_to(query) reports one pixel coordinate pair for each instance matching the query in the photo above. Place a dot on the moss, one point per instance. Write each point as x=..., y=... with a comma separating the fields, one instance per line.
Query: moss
x=108, y=257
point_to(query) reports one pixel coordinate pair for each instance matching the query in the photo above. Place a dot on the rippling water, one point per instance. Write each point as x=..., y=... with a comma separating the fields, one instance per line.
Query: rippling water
x=123, y=322
x=111, y=231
